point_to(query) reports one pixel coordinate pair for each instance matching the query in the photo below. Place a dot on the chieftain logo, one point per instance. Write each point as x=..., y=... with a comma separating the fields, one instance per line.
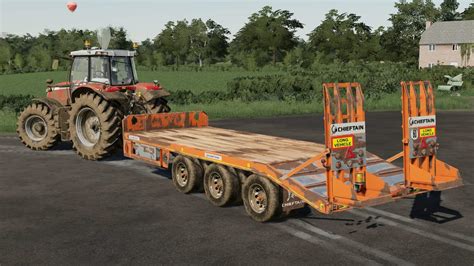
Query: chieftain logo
x=347, y=128
x=422, y=121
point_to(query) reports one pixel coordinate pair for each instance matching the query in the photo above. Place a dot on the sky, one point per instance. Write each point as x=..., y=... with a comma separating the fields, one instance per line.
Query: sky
x=146, y=18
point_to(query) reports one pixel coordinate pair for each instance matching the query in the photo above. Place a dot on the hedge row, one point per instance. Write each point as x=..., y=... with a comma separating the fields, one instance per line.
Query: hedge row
x=302, y=85
x=14, y=103
x=376, y=79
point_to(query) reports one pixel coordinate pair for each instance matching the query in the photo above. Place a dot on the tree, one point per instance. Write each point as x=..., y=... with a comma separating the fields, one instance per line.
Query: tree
x=468, y=14
x=401, y=41
x=449, y=10
x=195, y=42
x=343, y=37
x=39, y=58
x=145, y=54
x=174, y=41
x=267, y=31
x=5, y=55
x=119, y=39
x=18, y=62
x=198, y=40
x=218, y=41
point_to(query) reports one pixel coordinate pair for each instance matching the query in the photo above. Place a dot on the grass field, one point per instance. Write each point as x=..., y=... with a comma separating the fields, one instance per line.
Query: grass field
x=7, y=121
x=34, y=83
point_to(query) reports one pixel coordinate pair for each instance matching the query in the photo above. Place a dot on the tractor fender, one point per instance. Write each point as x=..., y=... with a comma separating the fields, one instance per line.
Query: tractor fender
x=51, y=103
x=61, y=113
x=108, y=96
x=149, y=95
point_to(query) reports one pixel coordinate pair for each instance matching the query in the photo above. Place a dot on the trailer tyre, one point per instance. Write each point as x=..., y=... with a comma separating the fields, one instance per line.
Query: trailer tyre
x=220, y=185
x=261, y=198
x=186, y=174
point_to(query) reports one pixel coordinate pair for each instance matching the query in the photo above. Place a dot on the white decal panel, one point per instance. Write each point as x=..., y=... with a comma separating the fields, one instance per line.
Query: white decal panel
x=213, y=156
x=133, y=137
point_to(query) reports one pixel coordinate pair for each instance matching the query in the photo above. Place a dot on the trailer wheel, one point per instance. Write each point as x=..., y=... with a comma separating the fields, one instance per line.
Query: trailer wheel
x=261, y=198
x=186, y=175
x=221, y=186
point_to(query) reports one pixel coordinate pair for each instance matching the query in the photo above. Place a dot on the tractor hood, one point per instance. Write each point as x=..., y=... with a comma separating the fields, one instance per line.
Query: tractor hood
x=143, y=86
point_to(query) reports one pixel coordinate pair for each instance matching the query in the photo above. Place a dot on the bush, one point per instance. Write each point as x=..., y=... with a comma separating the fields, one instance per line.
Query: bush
x=15, y=103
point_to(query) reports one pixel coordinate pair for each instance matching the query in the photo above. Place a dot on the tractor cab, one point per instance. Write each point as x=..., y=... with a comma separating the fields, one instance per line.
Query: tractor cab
x=108, y=67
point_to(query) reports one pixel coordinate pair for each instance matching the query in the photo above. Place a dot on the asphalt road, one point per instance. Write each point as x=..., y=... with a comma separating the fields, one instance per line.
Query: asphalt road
x=56, y=208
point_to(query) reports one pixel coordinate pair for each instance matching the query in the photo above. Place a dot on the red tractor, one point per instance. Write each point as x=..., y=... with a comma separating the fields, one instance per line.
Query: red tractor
x=88, y=109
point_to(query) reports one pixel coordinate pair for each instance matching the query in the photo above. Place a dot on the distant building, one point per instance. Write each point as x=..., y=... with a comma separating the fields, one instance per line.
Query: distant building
x=442, y=42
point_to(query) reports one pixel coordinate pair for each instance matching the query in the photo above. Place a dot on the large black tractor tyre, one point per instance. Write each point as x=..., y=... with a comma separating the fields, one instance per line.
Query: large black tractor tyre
x=186, y=174
x=221, y=186
x=94, y=126
x=159, y=105
x=155, y=106
x=37, y=127
x=262, y=198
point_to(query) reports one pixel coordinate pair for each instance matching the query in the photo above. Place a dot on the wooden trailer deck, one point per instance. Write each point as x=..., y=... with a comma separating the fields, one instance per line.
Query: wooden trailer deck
x=281, y=153
x=244, y=145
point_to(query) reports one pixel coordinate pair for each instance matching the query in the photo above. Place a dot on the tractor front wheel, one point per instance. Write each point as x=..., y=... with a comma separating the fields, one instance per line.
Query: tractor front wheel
x=37, y=127
x=94, y=126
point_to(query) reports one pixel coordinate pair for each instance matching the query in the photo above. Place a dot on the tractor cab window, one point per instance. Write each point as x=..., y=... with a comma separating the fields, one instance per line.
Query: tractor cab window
x=80, y=70
x=100, y=70
x=121, y=71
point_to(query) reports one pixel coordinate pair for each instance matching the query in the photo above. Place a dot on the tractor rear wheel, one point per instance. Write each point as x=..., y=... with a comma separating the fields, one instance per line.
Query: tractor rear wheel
x=37, y=127
x=94, y=126
x=159, y=105
x=155, y=106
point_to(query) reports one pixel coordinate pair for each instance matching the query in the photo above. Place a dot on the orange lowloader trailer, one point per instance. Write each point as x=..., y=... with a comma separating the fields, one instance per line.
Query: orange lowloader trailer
x=274, y=175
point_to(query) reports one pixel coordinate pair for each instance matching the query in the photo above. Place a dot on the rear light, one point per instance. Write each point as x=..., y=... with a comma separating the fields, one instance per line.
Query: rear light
x=359, y=182
x=360, y=178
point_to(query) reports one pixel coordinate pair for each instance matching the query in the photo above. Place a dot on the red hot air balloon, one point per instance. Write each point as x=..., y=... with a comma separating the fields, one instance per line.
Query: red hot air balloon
x=71, y=6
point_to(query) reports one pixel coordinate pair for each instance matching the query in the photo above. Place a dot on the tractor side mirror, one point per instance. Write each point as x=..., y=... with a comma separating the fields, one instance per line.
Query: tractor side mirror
x=49, y=81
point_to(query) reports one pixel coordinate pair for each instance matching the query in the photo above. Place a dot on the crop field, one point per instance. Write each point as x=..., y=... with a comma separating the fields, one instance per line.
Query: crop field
x=34, y=83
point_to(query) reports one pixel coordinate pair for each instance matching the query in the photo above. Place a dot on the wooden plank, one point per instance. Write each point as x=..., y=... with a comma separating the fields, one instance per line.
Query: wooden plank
x=250, y=146
x=261, y=141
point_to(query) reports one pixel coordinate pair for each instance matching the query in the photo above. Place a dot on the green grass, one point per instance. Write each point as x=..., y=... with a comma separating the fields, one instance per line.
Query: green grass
x=7, y=121
x=34, y=83
x=238, y=109
x=444, y=101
